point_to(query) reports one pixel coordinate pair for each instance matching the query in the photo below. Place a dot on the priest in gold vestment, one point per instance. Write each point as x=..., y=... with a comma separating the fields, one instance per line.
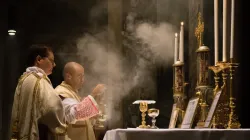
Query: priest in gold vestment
x=35, y=100
x=78, y=111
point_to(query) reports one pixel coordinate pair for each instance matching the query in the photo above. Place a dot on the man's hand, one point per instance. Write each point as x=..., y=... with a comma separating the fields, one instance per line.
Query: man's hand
x=98, y=90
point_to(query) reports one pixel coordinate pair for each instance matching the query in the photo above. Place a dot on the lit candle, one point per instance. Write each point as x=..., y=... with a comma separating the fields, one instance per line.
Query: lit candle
x=232, y=31
x=176, y=48
x=224, y=53
x=216, y=32
x=181, y=52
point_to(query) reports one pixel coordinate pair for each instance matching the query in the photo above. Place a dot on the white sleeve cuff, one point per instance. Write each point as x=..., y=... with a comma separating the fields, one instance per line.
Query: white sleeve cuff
x=69, y=109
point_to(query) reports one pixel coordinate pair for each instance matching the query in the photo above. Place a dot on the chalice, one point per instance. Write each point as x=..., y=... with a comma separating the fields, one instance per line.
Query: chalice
x=143, y=108
x=153, y=113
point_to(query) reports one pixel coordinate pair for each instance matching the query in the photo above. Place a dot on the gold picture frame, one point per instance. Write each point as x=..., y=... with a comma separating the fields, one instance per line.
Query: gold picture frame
x=212, y=109
x=190, y=113
x=174, y=116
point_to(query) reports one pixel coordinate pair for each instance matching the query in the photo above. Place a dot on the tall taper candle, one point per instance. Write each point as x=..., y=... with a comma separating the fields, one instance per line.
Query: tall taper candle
x=176, y=48
x=232, y=31
x=224, y=53
x=181, y=52
x=216, y=32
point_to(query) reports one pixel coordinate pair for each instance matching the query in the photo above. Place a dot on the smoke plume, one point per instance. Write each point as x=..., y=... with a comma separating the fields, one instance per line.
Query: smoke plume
x=148, y=44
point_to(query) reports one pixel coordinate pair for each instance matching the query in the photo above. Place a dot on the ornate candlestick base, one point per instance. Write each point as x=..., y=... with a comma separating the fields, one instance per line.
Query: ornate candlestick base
x=223, y=110
x=203, y=114
x=178, y=90
x=233, y=122
x=179, y=100
x=216, y=69
x=203, y=106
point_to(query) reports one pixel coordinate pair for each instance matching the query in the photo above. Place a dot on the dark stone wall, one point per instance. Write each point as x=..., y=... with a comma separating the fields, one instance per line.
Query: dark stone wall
x=241, y=43
x=3, y=32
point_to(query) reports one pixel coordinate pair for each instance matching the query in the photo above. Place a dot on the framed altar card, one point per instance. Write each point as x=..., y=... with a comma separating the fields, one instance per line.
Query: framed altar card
x=190, y=113
x=212, y=109
x=174, y=116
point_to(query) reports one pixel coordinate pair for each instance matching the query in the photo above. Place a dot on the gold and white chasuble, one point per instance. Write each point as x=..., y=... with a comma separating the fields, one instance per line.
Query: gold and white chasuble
x=35, y=102
x=77, y=113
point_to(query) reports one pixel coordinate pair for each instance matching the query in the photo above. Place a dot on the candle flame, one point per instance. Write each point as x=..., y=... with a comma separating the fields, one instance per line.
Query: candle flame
x=176, y=34
x=182, y=23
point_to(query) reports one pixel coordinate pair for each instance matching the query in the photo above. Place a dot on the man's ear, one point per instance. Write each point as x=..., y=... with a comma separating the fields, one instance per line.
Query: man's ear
x=68, y=76
x=38, y=59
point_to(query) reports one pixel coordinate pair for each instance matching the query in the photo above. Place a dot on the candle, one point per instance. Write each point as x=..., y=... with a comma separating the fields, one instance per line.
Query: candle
x=181, y=52
x=176, y=48
x=216, y=32
x=232, y=31
x=224, y=59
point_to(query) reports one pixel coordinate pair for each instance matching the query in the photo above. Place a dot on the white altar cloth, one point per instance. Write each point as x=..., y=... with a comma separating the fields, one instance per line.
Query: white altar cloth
x=177, y=134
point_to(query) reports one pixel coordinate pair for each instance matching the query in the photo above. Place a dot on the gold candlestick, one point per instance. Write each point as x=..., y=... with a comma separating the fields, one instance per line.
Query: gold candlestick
x=202, y=83
x=216, y=69
x=222, y=110
x=179, y=87
x=233, y=122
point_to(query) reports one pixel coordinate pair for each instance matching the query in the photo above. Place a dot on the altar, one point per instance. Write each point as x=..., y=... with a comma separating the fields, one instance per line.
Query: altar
x=177, y=134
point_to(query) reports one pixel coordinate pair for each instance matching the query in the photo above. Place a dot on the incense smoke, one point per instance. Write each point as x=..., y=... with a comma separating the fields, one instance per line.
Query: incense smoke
x=148, y=43
x=105, y=65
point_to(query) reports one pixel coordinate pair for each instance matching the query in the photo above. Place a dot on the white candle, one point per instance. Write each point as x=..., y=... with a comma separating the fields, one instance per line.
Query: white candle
x=181, y=52
x=232, y=31
x=176, y=48
x=224, y=53
x=216, y=32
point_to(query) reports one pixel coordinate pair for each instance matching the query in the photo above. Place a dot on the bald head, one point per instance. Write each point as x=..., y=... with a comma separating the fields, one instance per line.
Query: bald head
x=73, y=74
x=72, y=67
